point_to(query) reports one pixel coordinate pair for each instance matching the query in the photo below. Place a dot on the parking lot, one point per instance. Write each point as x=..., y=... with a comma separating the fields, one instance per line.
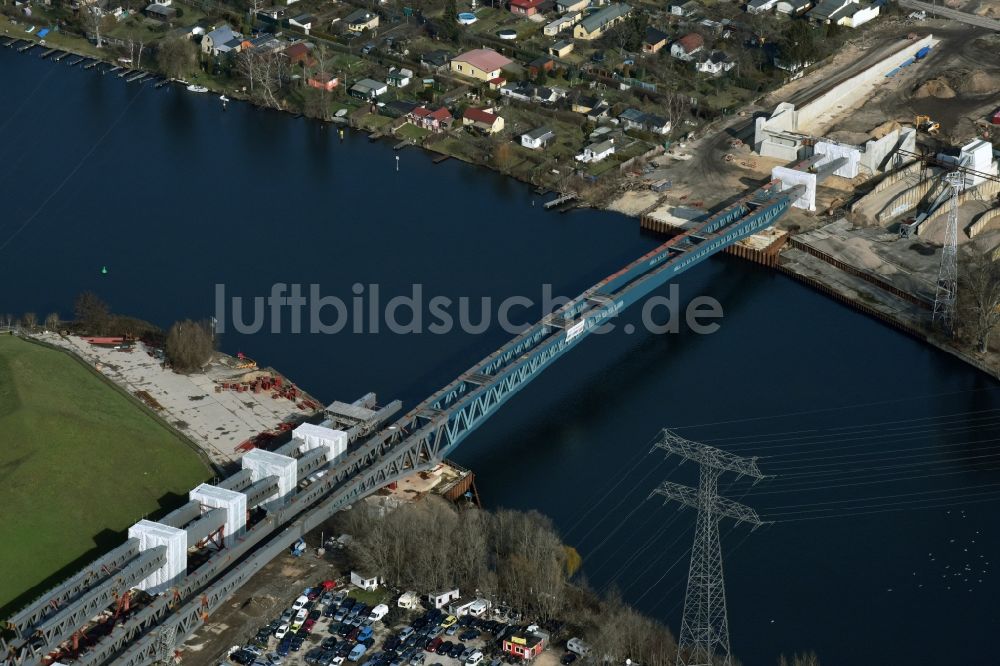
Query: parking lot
x=328, y=626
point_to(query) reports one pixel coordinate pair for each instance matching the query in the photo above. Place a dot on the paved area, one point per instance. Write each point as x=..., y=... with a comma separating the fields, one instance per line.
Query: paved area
x=217, y=422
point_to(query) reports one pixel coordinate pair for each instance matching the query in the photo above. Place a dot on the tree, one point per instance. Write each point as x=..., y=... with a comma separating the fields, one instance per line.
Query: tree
x=189, y=345
x=29, y=320
x=176, y=56
x=93, y=21
x=979, y=294
x=449, y=21
x=52, y=321
x=798, y=44
x=91, y=312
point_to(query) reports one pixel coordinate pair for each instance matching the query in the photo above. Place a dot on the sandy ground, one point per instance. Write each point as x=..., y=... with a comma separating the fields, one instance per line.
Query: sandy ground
x=217, y=422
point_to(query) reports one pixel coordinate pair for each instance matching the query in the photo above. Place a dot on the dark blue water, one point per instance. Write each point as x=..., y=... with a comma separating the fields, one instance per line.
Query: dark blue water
x=884, y=450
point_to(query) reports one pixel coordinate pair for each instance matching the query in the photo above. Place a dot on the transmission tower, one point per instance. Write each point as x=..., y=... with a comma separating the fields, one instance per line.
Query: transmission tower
x=947, y=285
x=704, y=638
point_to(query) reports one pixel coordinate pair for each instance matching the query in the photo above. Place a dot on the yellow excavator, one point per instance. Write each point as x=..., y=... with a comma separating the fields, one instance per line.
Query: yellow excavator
x=925, y=124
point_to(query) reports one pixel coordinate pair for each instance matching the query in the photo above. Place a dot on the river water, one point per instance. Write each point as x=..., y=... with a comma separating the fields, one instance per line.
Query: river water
x=884, y=451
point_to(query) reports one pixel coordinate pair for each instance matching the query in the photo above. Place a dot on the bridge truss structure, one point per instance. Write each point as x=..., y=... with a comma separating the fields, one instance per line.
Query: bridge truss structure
x=379, y=454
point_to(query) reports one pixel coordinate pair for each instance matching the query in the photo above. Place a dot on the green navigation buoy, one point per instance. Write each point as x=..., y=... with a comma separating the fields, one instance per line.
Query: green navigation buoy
x=104, y=270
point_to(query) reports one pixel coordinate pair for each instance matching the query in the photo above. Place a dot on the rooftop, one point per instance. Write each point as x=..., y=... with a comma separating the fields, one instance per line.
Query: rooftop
x=486, y=60
x=605, y=16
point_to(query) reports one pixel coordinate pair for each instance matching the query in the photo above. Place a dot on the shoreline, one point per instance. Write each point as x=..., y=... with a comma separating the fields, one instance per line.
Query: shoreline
x=820, y=282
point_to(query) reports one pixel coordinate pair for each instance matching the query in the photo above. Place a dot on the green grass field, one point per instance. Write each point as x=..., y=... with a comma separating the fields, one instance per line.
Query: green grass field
x=79, y=463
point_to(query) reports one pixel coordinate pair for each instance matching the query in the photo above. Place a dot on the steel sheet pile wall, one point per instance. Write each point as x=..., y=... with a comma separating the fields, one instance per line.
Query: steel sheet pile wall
x=152, y=534
x=313, y=436
x=263, y=464
x=234, y=503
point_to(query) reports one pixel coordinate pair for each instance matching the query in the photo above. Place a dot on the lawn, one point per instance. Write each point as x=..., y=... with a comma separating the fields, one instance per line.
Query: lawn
x=370, y=598
x=79, y=463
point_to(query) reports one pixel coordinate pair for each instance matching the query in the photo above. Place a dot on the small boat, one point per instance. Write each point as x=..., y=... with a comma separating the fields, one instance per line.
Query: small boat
x=197, y=89
x=30, y=30
x=223, y=98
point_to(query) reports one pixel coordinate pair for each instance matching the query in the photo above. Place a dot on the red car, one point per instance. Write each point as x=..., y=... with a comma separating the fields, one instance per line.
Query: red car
x=308, y=625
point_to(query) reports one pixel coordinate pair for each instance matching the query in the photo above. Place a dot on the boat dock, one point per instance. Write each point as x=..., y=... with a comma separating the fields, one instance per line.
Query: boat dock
x=92, y=64
x=559, y=201
x=10, y=42
x=47, y=53
x=26, y=47
x=441, y=158
x=135, y=77
x=60, y=56
x=161, y=83
x=76, y=61
x=113, y=69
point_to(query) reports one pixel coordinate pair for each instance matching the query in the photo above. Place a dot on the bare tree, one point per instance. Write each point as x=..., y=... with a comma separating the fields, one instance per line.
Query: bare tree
x=176, y=56
x=265, y=72
x=91, y=312
x=52, y=321
x=189, y=345
x=93, y=22
x=29, y=320
x=979, y=294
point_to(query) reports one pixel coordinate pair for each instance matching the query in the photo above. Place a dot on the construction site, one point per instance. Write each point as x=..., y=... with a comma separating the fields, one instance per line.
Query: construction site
x=873, y=136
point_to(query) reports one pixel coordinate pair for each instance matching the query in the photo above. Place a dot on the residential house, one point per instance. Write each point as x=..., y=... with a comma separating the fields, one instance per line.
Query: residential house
x=304, y=21
x=654, y=40
x=364, y=581
x=562, y=23
x=685, y=47
x=526, y=92
x=594, y=108
x=760, y=6
x=584, y=103
x=215, y=41
x=657, y=124
x=851, y=13
x=361, y=20
x=561, y=49
x=685, y=9
x=441, y=599
x=485, y=120
x=368, y=89
x=567, y=6
x=399, y=77
x=497, y=83
x=323, y=81
x=272, y=14
x=398, y=109
x=631, y=119
x=298, y=54
x=437, y=120
x=793, y=7
x=161, y=12
x=598, y=23
x=435, y=60
x=539, y=65
x=537, y=138
x=596, y=152
x=264, y=42
x=524, y=7
x=523, y=645
x=714, y=63
x=482, y=64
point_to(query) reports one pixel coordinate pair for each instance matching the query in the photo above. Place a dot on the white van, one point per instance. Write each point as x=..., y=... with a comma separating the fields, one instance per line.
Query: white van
x=378, y=613
x=577, y=646
x=474, y=658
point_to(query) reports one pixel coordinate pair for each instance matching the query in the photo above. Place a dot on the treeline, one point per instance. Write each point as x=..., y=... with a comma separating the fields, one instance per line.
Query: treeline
x=188, y=345
x=513, y=558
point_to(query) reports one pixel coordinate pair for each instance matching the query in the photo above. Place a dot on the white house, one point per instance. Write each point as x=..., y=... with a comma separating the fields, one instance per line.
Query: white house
x=440, y=599
x=538, y=138
x=364, y=581
x=596, y=152
x=685, y=47
x=460, y=607
x=214, y=42
x=760, y=6
x=714, y=63
x=304, y=21
x=399, y=78
x=561, y=23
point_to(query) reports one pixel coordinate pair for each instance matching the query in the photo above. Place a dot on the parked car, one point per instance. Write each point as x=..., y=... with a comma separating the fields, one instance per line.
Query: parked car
x=449, y=621
x=456, y=650
x=568, y=658
x=451, y=631
x=433, y=645
x=466, y=653
x=405, y=632
x=281, y=631
x=300, y=603
x=365, y=633
x=445, y=648
x=368, y=48
x=391, y=643
x=469, y=634
x=357, y=652
x=474, y=659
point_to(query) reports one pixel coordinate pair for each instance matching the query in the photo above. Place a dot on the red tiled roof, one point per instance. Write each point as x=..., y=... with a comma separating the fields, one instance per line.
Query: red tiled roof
x=527, y=4
x=480, y=116
x=438, y=114
x=691, y=41
x=297, y=50
x=486, y=60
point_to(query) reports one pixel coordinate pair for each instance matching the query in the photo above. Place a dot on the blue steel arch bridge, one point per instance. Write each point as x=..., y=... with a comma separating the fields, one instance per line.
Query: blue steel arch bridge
x=82, y=618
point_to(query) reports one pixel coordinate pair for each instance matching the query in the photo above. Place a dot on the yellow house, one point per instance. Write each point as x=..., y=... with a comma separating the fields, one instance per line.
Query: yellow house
x=597, y=24
x=482, y=64
x=361, y=20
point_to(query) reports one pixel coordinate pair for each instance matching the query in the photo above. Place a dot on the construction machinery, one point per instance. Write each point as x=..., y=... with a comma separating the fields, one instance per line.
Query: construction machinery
x=926, y=124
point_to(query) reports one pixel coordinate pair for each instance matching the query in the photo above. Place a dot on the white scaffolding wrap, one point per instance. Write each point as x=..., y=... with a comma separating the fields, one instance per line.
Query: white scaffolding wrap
x=235, y=504
x=313, y=436
x=152, y=534
x=263, y=464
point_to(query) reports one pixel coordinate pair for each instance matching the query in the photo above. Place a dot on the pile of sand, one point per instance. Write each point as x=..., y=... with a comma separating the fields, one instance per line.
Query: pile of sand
x=977, y=81
x=885, y=128
x=934, y=88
